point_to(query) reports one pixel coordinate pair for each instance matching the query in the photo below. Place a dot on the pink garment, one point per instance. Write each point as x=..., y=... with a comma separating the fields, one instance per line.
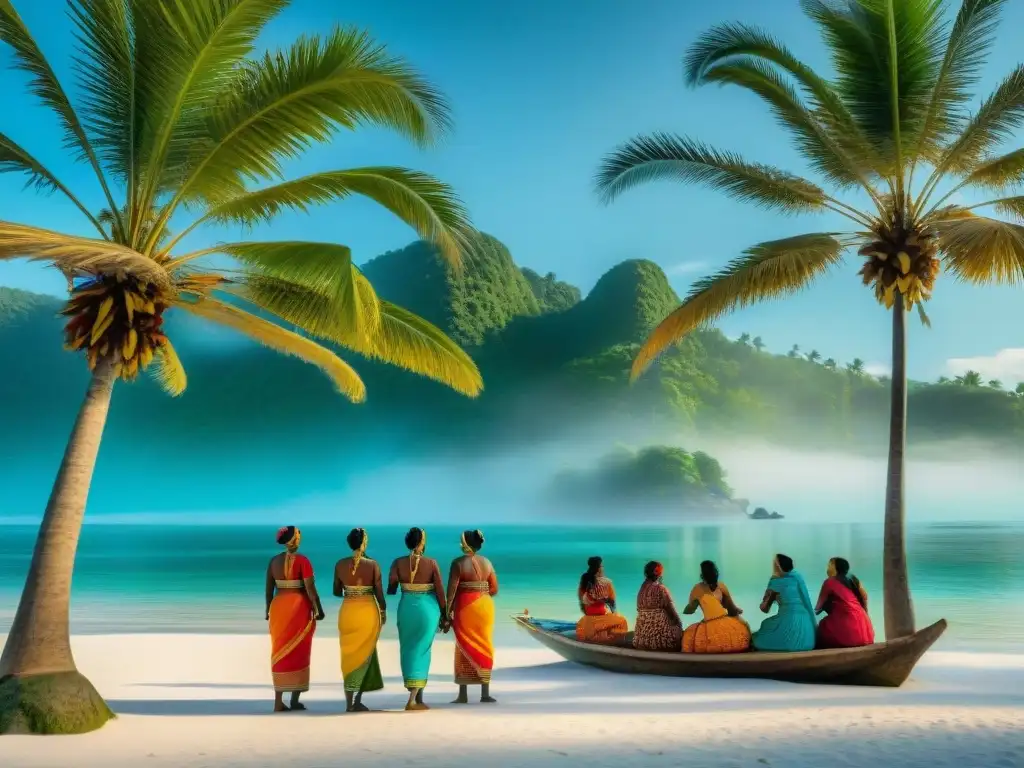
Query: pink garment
x=847, y=624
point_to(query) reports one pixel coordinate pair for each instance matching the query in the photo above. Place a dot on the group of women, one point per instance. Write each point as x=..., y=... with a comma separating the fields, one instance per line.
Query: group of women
x=794, y=626
x=294, y=608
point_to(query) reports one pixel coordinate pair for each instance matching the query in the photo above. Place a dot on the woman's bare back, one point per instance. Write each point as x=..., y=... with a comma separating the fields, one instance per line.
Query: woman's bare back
x=425, y=571
x=366, y=573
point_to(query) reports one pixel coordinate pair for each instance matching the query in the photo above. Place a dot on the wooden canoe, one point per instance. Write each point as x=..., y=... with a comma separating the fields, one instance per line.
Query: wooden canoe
x=882, y=664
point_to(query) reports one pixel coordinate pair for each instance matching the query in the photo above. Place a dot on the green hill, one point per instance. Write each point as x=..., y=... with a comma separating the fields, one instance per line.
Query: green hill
x=553, y=364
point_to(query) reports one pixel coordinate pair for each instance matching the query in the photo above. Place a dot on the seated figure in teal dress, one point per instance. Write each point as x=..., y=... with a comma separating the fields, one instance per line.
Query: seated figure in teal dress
x=793, y=627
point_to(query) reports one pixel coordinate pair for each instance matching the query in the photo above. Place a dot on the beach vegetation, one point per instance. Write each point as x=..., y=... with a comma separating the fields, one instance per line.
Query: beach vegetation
x=179, y=119
x=894, y=151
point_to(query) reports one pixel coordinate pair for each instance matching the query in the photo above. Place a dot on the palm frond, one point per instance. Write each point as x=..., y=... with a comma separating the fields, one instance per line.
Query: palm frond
x=290, y=99
x=922, y=315
x=665, y=157
x=191, y=50
x=726, y=42
x=969, y=41
x=427, y=205
x=15, y=159
x=817, y=145
x=105, y=65
x=168, y=371
x=44, y=84
x=341, y=374
x=998, y=172
x=887, y=56
x=982, y=250
x=78, y=254
x=765, y=271
x=997, y=120
x=400, y=338
x=1008, y=206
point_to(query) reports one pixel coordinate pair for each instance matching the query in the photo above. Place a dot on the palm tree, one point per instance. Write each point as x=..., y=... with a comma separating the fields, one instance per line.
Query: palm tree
x=177, y=118
x=969, y=379
x=757, y=344
x=897, y=106
x=995, y=384
x=794, y=352
x=856, y=367
x=830, y=364
x=744, y=339
x=814, y=356
x=942, y=380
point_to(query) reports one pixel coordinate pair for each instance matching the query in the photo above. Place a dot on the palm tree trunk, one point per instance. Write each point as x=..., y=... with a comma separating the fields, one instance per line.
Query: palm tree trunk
x=899, y=610
x=44, y=691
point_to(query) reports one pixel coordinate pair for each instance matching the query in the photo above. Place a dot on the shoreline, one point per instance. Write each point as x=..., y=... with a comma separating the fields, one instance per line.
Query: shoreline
x=193, y=700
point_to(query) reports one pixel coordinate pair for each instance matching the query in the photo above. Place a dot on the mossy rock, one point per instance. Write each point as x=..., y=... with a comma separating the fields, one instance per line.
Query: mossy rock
x=64, y=702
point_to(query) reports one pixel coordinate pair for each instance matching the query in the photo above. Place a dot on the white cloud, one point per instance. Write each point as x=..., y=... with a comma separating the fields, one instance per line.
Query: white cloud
x=686, y=268
x=878, y=369
x=1007, y=365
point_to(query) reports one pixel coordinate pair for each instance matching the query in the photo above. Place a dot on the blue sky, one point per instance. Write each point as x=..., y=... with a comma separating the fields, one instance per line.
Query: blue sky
x=541, y=91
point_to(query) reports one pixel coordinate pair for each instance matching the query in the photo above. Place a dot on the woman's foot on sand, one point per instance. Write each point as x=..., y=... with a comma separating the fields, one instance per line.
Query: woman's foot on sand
x=488, y=700
x=358, y=708
x=281, y=708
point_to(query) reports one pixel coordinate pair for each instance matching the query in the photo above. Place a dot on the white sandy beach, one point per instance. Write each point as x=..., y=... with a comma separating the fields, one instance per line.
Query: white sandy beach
x=204, y=700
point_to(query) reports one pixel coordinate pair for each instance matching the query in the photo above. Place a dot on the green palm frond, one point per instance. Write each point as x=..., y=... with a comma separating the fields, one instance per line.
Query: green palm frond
x=168, y=371
x=427, y=205
x=887, y=56
x=825, y=154
x=982, y=250
x=72, y=254
x=290, y=99
x=15, y=159
x=997, y=120
x=922, y=315
x=190, y=49
x=726, y=42
x=969, y=41
x=665, y=157
x=44, y=84
x=341, y=374
x=765, y=271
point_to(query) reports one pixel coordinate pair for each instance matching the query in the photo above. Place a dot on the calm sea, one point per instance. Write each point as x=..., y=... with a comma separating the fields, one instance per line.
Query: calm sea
x=205, y=579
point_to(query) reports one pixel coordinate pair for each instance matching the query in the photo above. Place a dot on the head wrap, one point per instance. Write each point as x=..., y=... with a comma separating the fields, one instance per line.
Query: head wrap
x=288, y=541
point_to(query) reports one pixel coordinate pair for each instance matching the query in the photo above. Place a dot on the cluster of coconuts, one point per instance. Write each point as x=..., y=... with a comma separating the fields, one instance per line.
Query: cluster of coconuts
x=909, y=267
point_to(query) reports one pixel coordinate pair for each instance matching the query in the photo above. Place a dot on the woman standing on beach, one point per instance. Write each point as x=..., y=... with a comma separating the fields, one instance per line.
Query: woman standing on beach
x=363, y=612
x=600, y=622
x=793, y=627
x=658, y=627
x=472, y=583
x=419, y=613
x=293, y=608
x=721, y=630
x=845, y=601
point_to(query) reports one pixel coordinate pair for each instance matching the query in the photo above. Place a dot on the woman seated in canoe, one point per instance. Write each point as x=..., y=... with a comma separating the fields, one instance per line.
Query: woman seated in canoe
x=845, y=601
x=793, y=627
x=658, y=627
x=600, y=622
x=721, y=630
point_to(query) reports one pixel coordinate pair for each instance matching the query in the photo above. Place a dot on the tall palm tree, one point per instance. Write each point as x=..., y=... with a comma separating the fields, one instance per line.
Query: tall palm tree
x=178, y=119
x=794, y=352
x=856, y=366
x=814, y=356
x=969, y=379
x=745, y=339
x=891, y=125
x=757, y=344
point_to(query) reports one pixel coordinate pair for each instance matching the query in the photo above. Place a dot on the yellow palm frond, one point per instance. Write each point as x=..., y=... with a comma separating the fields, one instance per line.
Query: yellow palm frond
x=78, y=254
x=982, y=250
x=344, y=378
x=168, y=371
x=396, y=336
x=765, y=271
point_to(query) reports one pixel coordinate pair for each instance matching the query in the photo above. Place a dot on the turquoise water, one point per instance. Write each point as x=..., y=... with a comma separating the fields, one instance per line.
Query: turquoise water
x=149, y=578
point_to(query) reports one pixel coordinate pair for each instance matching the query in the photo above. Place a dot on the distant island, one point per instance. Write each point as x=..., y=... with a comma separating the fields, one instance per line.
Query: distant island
x=555, y=364
x=669, y=479
x=760, y=513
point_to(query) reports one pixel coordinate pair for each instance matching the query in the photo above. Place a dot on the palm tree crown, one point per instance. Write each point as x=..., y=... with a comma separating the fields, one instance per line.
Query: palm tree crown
x=896, y=108
x=179, y=119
